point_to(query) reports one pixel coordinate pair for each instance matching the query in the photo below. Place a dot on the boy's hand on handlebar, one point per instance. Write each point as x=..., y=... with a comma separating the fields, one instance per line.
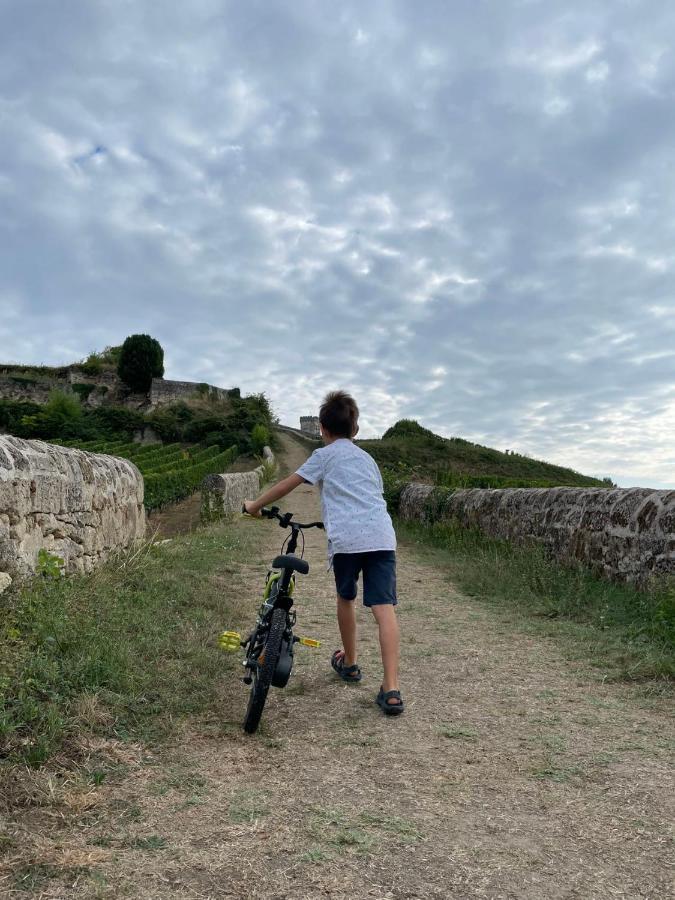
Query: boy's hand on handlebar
x=251, y=508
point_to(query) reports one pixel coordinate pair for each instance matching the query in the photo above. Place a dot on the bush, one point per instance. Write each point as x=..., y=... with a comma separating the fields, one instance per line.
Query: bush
x=83, y=390
x=170, y=422
x=111, y=354
x=112, y=421
x=92, y=365
x=408, y=428
x=61, y=416
x=260, y=438
x=141, y=359
x=12, y=414
x=393, y=487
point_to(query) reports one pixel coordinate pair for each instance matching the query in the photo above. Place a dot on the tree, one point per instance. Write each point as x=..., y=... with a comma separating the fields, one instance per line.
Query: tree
x=141, y=359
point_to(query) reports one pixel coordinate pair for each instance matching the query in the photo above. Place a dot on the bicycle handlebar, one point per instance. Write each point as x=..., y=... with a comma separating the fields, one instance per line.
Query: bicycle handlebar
x=285, y=520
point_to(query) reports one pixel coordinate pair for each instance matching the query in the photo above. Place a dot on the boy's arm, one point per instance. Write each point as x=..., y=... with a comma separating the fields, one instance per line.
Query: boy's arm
x=276, y=492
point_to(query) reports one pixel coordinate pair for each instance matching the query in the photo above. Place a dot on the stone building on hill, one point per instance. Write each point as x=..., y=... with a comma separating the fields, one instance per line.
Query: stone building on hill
x=310, y=426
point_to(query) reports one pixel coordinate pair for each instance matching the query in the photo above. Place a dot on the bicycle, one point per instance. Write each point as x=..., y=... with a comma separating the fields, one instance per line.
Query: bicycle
x=269, y=646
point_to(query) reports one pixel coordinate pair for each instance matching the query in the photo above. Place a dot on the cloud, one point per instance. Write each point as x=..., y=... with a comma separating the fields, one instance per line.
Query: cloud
x=464, y=218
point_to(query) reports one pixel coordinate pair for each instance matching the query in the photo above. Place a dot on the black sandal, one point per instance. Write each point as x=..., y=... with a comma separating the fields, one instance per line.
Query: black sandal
x=346, y=673
x=391, y=709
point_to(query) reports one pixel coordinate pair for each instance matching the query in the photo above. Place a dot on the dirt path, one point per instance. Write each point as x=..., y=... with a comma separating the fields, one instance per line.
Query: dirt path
x=514, y=773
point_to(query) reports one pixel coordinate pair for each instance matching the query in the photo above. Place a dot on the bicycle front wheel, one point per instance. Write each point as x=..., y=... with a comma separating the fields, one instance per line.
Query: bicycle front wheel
x=262, y=676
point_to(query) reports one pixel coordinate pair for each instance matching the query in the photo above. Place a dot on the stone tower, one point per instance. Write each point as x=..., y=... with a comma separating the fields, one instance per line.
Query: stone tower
x=309, y=425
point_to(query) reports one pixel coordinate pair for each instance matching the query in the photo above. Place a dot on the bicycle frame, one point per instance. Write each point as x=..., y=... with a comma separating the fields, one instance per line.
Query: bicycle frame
x=269, y=646
x=278, y=594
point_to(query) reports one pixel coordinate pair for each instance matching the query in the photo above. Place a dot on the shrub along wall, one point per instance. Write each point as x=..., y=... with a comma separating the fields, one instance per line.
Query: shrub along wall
x=624, y=534
x=76, y=505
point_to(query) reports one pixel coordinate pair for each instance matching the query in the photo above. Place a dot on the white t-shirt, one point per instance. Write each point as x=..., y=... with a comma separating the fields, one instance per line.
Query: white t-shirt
x=354, y=510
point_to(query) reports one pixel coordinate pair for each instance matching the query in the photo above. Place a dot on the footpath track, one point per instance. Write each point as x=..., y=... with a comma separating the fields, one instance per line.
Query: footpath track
x=514, y=772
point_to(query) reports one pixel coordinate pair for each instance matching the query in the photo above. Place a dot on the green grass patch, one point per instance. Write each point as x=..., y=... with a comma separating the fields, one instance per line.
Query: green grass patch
x=248, y=805
x=551, y=770
x=128, y=651
x=617, y=626
x=458, y=732
x=152, y=842
x=337, y=831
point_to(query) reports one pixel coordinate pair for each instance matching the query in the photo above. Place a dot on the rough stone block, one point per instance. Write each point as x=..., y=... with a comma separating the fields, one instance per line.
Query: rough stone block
x=225, y=494
x=624, y=534
x=80, y=506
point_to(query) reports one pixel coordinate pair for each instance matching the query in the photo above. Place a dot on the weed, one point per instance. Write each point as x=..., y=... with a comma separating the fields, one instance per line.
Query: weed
x=336, y=830
x=248, y=805
x=152, y=842
x=406, y=829
x=49, y=565
x=315, y=855
x=359, y=833
x=297, y=688
x=467, y=734
x=553, y=770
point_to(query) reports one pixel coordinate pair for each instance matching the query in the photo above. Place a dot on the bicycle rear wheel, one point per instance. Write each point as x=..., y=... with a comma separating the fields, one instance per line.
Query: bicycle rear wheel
x=262, y=675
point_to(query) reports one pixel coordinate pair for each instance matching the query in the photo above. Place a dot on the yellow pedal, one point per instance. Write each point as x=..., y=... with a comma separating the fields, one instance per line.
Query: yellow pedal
x=230, y=641
x=309, y=642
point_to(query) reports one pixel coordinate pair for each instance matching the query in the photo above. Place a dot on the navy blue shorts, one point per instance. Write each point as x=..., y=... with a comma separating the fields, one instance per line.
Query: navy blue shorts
x=379, y=576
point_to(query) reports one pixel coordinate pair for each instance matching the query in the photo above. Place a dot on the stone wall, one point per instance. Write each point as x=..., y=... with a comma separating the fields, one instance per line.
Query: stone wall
x=163, y=391
x=16, y=387
x=623, y=534
x=309, y=425
x=106, y=388
x=310, y=443
x=37, y=388
x=225, y=494
x=79, y=506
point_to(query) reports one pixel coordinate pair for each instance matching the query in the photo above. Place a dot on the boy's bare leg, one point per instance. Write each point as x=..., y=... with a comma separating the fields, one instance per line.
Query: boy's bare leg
x=387, y=623
x=346, y=616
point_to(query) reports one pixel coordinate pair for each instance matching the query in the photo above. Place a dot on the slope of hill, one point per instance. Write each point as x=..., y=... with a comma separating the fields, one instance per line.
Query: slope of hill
x=409, y=451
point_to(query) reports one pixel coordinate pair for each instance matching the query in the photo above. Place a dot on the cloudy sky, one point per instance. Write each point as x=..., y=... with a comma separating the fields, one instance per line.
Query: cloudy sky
x=463, y=212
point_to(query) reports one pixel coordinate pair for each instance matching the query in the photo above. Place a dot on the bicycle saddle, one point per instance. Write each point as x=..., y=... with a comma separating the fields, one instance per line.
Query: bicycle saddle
x=291, y=562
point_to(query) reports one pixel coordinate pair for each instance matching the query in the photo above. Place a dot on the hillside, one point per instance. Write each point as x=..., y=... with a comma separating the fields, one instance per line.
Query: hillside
x=409, y=451
x=176, y=432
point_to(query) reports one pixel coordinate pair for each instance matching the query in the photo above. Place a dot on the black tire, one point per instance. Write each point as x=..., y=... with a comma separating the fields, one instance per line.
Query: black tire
x=262, y=677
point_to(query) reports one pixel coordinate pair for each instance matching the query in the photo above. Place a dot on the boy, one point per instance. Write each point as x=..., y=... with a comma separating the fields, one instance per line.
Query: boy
x=361, y=538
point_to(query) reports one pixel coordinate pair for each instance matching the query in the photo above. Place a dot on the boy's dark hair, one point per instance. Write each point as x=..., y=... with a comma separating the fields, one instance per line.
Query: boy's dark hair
x=339, y=414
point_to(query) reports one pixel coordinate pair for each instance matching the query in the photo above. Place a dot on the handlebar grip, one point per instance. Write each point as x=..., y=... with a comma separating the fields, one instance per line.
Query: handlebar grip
x=265, y=512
